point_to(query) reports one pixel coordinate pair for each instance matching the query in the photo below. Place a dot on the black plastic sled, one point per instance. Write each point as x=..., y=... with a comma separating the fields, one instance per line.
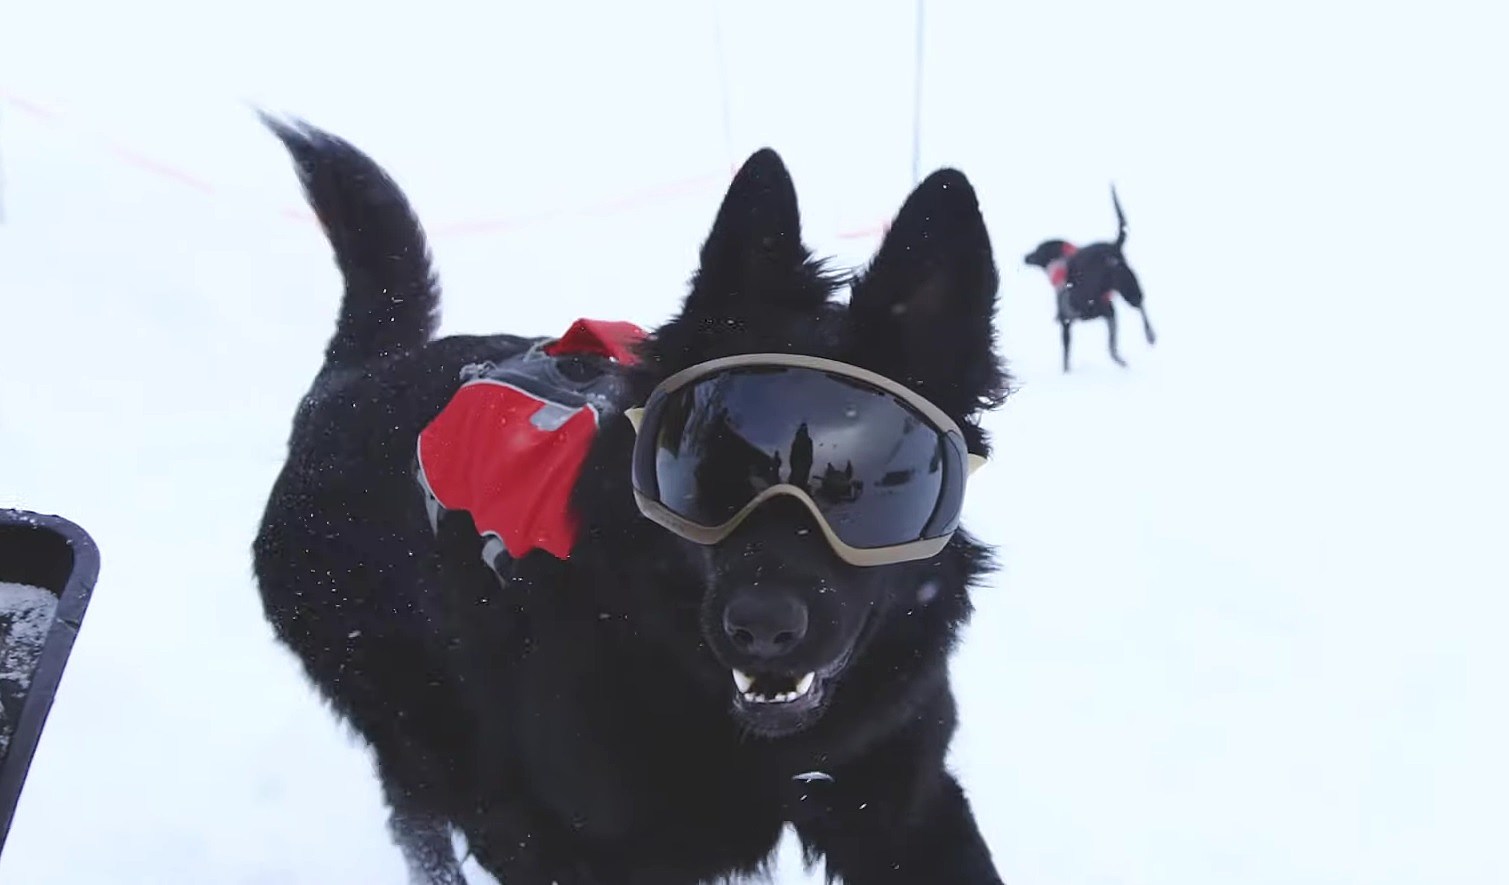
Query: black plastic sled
x=48, y=567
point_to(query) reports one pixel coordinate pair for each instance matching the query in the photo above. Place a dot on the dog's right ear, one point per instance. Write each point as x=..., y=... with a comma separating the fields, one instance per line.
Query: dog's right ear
x=923, y=312
x=755, y=284
x=754, y=254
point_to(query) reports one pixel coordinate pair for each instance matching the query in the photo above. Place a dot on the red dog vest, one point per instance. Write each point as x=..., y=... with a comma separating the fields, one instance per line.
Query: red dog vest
x=509, y=446
x=1058, y=268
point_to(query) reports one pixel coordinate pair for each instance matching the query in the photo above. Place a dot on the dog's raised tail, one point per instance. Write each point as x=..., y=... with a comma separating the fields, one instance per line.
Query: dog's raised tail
x=1121, y=220
x=392, y=299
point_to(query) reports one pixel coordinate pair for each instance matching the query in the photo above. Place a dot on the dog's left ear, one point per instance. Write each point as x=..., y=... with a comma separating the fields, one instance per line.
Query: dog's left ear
x=923, y=311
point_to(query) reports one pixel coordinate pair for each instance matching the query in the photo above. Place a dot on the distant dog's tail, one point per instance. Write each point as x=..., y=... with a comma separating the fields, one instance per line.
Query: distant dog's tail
x=392, y=299
x=1121, y=220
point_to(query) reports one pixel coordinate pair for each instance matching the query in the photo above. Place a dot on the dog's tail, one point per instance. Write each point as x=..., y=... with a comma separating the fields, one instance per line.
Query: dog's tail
x=1121, y=220
x=392, y=299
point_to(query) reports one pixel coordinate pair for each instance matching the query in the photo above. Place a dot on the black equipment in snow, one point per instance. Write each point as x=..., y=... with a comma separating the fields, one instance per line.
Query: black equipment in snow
x=48, y=567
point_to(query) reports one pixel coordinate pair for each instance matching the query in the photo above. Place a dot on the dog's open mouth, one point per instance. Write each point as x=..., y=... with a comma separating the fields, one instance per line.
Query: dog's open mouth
x=774, y=689
x=772, y=701
x=778, y=704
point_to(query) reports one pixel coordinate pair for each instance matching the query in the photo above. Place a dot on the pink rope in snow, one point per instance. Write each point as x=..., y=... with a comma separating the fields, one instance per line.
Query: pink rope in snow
x=168, y=171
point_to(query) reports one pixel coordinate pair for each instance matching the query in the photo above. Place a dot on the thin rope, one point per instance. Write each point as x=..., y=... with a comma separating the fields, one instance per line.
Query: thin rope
x=722, y=62
x=917, y=104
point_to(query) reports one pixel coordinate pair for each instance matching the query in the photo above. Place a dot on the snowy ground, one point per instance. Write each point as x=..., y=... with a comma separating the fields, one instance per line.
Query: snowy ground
x=1249, y=623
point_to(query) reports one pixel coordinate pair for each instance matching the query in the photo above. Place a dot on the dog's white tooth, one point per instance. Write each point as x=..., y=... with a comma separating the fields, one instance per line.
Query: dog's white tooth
x=743, y=681
x=804, y=684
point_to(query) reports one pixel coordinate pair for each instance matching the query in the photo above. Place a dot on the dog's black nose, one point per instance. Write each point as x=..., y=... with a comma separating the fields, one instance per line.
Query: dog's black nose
x=764, y=622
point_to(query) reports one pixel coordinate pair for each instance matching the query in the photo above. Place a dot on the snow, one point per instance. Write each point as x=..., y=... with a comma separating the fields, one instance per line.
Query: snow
x=1249, y=622
x=25, y=616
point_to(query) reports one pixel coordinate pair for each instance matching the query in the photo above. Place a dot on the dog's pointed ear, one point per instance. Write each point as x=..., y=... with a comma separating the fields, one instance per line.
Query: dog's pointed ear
x=754, y=250
x=923, y=311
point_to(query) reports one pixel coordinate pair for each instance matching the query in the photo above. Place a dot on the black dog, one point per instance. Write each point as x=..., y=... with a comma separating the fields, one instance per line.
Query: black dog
x=1084, y=280
x=575, y=718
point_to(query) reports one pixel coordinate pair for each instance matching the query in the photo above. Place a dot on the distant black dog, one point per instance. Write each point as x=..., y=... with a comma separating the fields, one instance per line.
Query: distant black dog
x=1084, y=280
x=648, y=710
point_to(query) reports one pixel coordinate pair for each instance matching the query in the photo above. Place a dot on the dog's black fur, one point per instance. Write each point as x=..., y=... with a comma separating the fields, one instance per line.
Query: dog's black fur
x=576, y=721
x=1094, y=272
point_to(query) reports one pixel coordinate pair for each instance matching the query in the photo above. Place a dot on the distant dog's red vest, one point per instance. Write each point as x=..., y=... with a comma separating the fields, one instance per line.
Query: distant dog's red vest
x=510, y=444
x=1058, y=271
x=1058, y=268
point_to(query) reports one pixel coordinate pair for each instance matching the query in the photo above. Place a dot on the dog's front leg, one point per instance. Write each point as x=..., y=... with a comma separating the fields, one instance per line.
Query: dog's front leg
x=1065, y=318
x=875, y=833
x=516, y=846
x=427, y=851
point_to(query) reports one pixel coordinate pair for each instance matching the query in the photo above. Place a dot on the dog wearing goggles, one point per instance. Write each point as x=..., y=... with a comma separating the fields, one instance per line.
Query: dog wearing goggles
x=753, y=624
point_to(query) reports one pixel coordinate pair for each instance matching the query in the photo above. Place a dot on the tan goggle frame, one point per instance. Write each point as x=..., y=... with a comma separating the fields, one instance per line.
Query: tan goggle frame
x=856, y=556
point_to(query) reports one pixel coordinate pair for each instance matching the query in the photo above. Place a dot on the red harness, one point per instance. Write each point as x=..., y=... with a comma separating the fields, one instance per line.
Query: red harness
x=1058, y=268
x=1058, y=272
x=510, y=457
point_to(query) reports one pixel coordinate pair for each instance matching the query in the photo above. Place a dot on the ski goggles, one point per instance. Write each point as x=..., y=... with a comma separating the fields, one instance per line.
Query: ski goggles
x=880, y=467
